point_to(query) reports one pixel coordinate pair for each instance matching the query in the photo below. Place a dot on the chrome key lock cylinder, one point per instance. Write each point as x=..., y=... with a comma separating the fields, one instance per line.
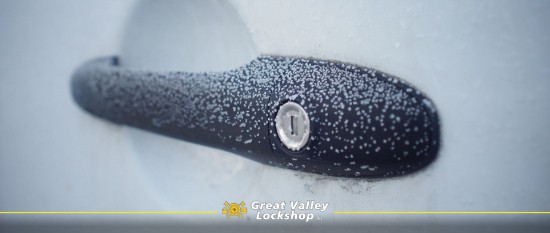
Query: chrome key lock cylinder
x=292, y=125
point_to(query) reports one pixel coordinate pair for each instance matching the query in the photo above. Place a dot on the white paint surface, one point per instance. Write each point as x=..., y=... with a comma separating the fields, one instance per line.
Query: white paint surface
x=485, y=64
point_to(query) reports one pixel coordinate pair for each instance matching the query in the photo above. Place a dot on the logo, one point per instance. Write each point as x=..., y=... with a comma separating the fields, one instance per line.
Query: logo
x=234, y=209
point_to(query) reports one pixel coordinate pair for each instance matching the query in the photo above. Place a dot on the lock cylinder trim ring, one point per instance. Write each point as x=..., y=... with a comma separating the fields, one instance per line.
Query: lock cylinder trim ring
x=293, y=126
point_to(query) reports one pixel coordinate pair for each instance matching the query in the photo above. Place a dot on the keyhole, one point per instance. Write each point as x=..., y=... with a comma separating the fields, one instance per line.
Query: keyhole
x=292, y=126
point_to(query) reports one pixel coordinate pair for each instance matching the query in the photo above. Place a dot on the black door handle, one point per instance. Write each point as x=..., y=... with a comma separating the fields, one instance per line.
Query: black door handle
x=316, y=116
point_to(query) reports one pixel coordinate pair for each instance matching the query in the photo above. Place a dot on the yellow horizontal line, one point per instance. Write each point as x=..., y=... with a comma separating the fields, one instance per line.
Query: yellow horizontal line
x=108, y=212
x=442, y=212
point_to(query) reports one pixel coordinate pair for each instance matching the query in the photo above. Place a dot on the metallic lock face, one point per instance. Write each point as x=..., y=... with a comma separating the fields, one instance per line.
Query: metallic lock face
x=292, y=123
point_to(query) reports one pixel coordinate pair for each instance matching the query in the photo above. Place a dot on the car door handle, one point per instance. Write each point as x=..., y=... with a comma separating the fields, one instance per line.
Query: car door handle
x=317, y=116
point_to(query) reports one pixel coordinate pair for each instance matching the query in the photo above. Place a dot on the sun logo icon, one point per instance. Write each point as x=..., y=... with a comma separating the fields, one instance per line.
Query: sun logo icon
x=234, y=209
